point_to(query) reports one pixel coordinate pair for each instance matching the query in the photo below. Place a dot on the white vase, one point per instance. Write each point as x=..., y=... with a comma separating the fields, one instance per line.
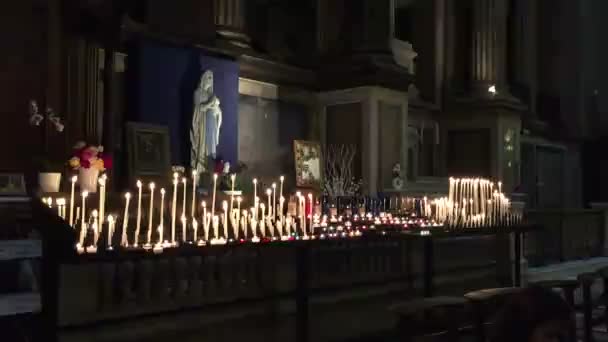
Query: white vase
x=87, y=179
x=49, y=181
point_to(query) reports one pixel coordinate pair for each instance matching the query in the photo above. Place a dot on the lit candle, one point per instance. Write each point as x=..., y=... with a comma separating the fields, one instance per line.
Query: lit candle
x=74, y=179
x=184, y=181
x=232, y=179
x=102, y=198
x=255, y=207
x=194, y=181
x=174, y=208
x=161, y=227
x=124, y=241
x=281, y=203
x=204, y=218
x=274, y=200
x=183, y=228
x=269, y=194
x=195, y=230
x=151, y=213
x=238, y=209
x=95, y=214
x=255, y=188
x=281, y=188
x=310, y=215
x=213, y=197
x=138, y=221
x=225, y=220
x=58, y=207
x=84, y=207
x=110, y=230
x=77, y=215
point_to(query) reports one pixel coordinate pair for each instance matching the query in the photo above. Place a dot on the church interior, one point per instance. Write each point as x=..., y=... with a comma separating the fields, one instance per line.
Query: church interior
x=311, y=170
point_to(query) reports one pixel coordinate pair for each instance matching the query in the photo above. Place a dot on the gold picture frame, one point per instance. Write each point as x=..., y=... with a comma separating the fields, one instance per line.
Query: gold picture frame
x=308, y=163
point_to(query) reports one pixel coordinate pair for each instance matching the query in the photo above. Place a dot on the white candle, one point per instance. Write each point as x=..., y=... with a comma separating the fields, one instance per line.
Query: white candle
x=238, y=207
x=151, y=213
x=95, y=227
x=255, y=188
x=274, y=200
x=194, y=181
x=204, y=218
x=310, y=215
x=110, y=230
x=138, y=221
x=77, y=215
x=269, y=194
x=174, y=208
x=102, y=198
x=161, y=228
x=84, y=207
x=255, y=207
x=232, y=179
x=125, y=220
x=281, y=188
x=184, y=181
x=281, y=203
x=195, y=230
x=213, y=197
x=225, y=220
x=58, y=207
x=183, y=228
x=74, y=179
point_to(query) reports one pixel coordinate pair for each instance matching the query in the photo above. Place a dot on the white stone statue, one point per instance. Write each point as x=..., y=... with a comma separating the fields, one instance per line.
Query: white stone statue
x=206, y=123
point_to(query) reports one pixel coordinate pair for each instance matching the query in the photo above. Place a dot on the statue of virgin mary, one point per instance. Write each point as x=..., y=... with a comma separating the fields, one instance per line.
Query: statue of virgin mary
x=206, y=123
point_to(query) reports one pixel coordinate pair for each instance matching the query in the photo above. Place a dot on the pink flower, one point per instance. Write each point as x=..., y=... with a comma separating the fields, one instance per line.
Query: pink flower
x=107, y=160
x=86, y=163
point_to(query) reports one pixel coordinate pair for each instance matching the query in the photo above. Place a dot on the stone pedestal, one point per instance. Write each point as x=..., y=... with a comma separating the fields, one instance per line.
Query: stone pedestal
x=229, y=17
x=383, y=130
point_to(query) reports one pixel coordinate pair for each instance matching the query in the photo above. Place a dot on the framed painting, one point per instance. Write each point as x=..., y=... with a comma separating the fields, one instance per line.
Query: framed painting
x=309, y=165
x=148, y=147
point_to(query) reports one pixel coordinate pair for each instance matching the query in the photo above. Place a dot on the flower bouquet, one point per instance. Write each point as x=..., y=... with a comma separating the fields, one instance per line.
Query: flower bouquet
x=89, y=160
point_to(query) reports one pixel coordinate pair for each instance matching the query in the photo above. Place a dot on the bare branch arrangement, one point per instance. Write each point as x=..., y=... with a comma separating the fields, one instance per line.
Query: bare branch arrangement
x=339, y=179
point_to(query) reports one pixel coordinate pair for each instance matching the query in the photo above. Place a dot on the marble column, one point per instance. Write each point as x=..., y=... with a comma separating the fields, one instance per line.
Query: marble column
x=230, y=22
x=488, y=42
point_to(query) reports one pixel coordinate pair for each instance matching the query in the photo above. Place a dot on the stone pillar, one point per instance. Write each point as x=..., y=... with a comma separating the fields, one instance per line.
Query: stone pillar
x=488, y=42
x=230, y=23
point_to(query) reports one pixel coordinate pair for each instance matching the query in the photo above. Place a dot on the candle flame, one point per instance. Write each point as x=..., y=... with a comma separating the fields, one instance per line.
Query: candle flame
x=268, y=192
x=194, y=173
x=255, y=181
x=215, y=176
x=282, y=178
x=274, y=185
x=184, y=180
x=162, y=191
x=110, y=219
x=139, y=184
x=204, y=204
x=152, y=186
x=128, y=195
x=74, y=179
x=225, y=204
x=175, y=175
x=94, y=213
x=239, y=199
x=85, y=194
x=233, y=176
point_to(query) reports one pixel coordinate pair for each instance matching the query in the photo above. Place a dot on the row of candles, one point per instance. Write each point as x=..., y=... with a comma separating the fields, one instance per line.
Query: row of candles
x=260, y=221
x=470, y=203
